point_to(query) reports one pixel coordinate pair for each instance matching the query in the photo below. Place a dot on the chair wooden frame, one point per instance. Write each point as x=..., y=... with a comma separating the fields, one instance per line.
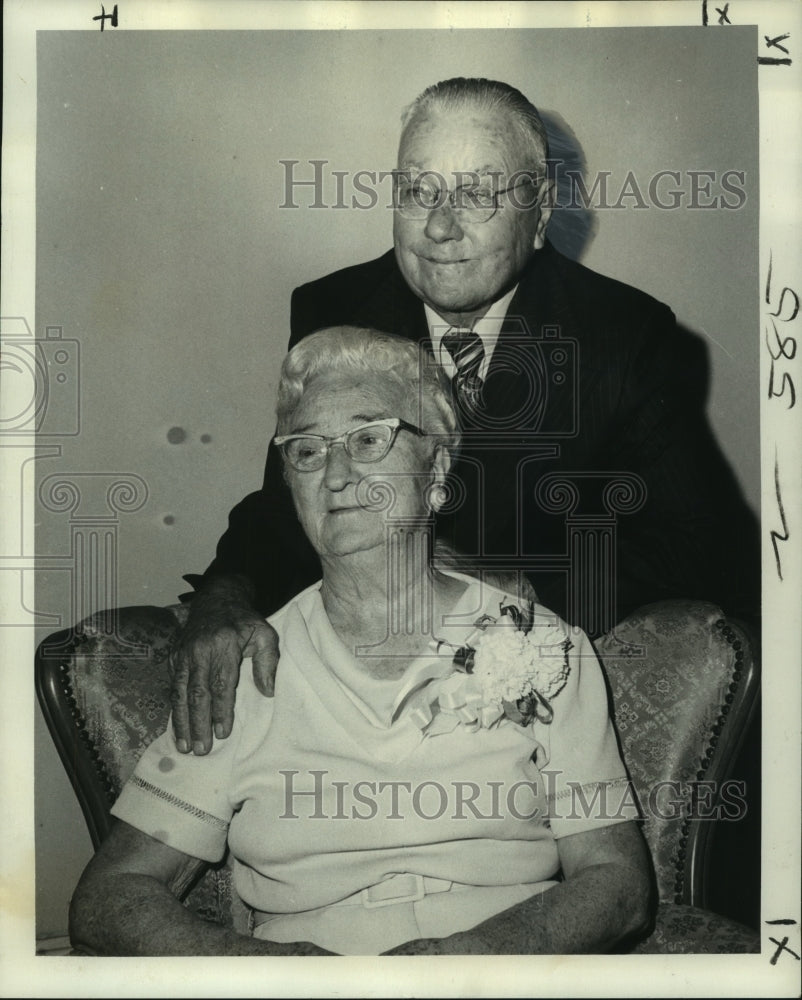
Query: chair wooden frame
x=727, y=738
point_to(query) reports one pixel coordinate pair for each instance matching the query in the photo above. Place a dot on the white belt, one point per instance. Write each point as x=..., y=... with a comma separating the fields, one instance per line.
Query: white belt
x=402, y=888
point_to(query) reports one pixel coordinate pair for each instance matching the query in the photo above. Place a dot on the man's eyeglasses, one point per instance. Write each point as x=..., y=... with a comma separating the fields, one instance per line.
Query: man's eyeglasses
x=366, y=443
x=415, y=198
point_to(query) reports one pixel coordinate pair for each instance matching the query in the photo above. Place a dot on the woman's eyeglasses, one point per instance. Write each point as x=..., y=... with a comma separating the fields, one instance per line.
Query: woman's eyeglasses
x=366, y=443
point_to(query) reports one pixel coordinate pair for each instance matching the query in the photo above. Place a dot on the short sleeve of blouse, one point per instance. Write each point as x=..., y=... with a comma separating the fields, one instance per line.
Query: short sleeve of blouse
x=584, y=777
x=186, y=801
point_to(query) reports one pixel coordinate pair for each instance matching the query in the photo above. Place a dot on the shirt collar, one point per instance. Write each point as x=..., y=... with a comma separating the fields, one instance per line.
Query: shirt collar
x=488, y=327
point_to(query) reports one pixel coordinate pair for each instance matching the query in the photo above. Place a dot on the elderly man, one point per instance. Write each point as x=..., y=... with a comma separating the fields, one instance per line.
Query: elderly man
x=586, y=461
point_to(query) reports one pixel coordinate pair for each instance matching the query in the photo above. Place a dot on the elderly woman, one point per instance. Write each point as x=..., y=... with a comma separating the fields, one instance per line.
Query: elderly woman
x=437, y=773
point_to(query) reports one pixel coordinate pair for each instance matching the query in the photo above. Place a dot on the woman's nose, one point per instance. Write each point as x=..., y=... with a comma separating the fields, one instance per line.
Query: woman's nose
x=442, y=224
x=338, y=470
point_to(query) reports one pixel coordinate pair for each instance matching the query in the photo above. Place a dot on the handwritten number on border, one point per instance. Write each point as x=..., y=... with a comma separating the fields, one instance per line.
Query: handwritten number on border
x=781, y=347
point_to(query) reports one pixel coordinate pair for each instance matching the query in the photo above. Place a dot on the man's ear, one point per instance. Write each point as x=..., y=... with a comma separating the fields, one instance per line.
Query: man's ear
x=545, y=206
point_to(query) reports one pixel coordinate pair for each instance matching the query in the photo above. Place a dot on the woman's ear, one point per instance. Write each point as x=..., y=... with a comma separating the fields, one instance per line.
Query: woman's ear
x=441, y=462
x=437, y=493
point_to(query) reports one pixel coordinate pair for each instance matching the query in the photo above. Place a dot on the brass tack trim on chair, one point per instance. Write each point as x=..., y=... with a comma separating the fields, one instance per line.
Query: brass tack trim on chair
x=735, y=644
x=80, y=723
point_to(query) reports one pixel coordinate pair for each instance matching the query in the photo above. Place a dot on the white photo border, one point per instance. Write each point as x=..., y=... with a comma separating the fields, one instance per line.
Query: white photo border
x=23, y=974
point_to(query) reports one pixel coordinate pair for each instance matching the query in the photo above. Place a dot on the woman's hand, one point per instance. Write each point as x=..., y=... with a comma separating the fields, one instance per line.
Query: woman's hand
x=222, y=629
x=605, y=901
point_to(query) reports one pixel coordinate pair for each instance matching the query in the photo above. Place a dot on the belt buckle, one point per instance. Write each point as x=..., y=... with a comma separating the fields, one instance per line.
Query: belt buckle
x=410, y=897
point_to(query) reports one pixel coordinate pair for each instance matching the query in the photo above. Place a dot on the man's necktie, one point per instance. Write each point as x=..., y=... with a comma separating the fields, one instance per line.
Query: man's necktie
x=468, y=353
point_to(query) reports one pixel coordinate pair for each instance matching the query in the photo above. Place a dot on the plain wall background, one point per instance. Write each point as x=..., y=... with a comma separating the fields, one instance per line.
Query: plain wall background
x=162, y=249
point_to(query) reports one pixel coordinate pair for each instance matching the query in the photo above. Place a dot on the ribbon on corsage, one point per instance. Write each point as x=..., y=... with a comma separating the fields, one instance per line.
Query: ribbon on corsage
x=508, y=668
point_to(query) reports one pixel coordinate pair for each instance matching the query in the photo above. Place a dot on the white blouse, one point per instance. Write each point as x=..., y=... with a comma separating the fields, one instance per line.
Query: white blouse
x=331, y=787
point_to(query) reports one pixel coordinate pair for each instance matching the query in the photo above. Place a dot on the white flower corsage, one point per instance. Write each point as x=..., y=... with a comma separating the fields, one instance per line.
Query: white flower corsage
x=509, y=668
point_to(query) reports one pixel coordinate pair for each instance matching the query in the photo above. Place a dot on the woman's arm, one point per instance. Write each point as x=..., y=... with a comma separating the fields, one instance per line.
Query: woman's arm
x=127, y=903
x=605, y=899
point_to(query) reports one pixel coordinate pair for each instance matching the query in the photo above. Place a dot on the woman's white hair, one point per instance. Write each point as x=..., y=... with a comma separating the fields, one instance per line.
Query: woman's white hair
x=344, y=349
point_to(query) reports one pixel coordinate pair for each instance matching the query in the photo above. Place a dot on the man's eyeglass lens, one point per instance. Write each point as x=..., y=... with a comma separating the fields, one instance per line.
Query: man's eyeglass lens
x=415, y=200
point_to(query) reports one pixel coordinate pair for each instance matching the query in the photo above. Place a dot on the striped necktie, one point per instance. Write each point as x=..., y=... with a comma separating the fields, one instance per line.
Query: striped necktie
x=468, y=353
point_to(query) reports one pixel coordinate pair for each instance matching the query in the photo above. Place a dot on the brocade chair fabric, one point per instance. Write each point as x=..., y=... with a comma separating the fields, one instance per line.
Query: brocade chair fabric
x=683, y=683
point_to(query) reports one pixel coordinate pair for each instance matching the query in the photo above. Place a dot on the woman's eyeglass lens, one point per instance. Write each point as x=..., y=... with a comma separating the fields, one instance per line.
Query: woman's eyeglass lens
x=366, y=443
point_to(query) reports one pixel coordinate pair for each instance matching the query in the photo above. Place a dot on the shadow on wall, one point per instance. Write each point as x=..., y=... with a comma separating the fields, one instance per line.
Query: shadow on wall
x=573, y=225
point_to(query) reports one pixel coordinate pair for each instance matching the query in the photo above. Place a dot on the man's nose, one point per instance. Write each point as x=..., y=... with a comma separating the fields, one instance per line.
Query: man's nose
x=338, y=467
x=442, y=224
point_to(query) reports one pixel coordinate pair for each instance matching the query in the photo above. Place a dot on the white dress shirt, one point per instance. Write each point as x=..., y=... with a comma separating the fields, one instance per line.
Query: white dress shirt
x=488, y=327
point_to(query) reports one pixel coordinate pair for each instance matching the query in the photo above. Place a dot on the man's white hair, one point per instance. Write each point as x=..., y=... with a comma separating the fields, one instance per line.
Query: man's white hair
x=481, y=94
x=360, y=350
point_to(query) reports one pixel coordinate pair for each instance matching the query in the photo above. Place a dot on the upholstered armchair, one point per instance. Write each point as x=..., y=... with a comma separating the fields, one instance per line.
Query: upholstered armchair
x=683, y=685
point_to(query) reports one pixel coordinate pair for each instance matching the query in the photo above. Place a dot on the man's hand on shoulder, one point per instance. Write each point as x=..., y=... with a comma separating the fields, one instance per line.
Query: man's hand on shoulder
x=222, y=629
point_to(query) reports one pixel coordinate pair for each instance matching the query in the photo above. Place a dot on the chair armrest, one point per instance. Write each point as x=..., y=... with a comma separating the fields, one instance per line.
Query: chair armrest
x=686, y=930
x=104, y=690
x=684, y=683
x=83, y=677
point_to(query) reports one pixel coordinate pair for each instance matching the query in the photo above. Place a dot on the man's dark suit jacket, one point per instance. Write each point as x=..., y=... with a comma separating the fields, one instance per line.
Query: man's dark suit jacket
x=590, y=382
